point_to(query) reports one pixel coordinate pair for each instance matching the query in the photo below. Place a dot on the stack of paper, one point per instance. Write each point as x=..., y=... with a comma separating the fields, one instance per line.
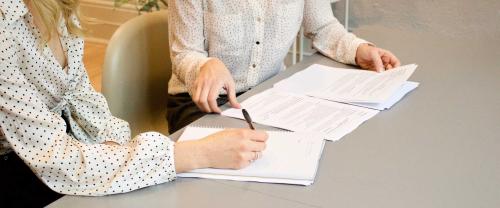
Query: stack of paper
x=327, y=100
x=290, y=158
x=358, y=87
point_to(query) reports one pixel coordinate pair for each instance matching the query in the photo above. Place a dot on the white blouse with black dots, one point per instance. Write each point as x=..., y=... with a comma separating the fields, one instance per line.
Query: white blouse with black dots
x=37, y=96
x=251, y=38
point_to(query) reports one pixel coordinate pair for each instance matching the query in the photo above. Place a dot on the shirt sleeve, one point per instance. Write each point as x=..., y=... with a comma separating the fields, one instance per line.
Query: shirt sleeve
x=329, y=36
x=187, y=41
x=92, y=111
x=65, y=164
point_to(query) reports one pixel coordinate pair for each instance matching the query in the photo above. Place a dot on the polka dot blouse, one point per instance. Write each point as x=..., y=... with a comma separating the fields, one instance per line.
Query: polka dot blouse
x=56, y=122
x=252, y=38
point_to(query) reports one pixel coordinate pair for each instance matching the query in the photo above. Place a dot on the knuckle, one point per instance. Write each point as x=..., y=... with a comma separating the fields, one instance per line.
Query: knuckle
x=212, y=97
x=242, y=146
x=240, y=157
x=205, y=81
x=244, y=134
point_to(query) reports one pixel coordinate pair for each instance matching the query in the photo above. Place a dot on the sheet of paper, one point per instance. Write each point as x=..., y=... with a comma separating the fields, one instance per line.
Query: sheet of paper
x=400, y=93
x=303, y=113
x=347, y=85
x=289, y=158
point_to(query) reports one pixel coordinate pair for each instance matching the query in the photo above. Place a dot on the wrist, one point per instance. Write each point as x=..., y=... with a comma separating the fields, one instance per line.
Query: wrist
x=359, y=52
x=190, y=155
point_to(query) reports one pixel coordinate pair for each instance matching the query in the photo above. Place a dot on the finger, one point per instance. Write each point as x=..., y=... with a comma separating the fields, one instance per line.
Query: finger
x=391, y=59
x=377, y=61
x=247, y=156
x=258, y=136
x=199, y=102
x=196, y=95
x=256, y=146
x=259, y=155
x=231, y=94
x=394, y=60
x=212, y=99
x=204, y=97
x=386, y=61
x=389, y=66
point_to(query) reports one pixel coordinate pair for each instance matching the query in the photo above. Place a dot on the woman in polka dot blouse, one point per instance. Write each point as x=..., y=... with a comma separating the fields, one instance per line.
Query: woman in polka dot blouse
x=57, y=132
x=221, y=48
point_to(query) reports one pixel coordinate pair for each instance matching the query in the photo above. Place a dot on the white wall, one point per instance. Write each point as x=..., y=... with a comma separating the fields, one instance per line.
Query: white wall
x=101, y=18
x=457, y=19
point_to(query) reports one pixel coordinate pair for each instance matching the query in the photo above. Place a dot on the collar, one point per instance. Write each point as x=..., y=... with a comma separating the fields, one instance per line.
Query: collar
x=11, y=11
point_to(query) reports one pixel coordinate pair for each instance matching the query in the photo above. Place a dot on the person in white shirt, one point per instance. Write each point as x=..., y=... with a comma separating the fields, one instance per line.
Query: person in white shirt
x=57, y=135
x=221, y=48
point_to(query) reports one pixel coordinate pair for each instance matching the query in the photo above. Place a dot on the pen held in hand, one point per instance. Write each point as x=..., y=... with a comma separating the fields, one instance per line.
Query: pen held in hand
x=247, y=118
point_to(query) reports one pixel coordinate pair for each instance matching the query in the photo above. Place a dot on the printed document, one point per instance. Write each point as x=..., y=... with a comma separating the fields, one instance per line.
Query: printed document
x=349, y=85
x=302, y=113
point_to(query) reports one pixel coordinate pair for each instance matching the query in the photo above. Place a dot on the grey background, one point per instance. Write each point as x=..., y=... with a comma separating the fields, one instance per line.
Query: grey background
x=458, y=19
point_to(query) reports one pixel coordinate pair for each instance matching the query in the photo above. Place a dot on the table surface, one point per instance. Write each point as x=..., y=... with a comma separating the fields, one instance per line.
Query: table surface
x=438, y=147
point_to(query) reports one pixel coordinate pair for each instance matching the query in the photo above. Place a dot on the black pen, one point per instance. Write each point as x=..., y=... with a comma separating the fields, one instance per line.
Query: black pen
x=247, y=118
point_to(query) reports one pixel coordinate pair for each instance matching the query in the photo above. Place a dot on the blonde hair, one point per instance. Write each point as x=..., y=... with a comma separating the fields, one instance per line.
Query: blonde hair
x=51, y=12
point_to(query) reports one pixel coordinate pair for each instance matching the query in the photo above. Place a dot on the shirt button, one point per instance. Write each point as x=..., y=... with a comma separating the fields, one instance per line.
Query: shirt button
x=253, y=65
x=258, y=19
x=257, y=42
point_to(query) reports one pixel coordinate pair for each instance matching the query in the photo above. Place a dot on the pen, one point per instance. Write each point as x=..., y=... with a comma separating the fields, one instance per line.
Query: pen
x=247, y=118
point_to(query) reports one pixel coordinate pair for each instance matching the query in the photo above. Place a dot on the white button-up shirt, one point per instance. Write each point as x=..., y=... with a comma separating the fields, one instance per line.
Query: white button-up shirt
x=251, y=38
x=36, y=93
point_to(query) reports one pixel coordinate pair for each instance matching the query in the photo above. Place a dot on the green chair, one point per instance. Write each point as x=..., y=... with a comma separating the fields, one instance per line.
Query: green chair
x=136, y=71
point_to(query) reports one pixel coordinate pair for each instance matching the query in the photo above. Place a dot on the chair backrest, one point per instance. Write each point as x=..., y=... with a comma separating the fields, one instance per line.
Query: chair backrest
x=136, y=71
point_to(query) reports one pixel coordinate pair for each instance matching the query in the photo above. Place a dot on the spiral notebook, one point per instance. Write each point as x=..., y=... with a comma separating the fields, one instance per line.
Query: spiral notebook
x=289, y=158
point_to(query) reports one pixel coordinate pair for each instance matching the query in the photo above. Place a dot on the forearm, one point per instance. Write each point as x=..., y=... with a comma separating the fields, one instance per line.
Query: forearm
x=186, y=37
x=333, y=41
x=329, y=36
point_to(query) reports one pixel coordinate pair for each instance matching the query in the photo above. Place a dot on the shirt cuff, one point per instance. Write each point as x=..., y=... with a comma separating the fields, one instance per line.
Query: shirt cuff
x=191, y=75
x=161, y=148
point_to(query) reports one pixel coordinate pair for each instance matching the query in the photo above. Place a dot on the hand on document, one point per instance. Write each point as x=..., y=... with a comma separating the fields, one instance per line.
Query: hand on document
x=375, y=59
x=213, y=77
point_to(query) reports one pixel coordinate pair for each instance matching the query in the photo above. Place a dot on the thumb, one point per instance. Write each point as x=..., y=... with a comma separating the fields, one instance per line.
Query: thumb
x=231, y=94
x=377, y=61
